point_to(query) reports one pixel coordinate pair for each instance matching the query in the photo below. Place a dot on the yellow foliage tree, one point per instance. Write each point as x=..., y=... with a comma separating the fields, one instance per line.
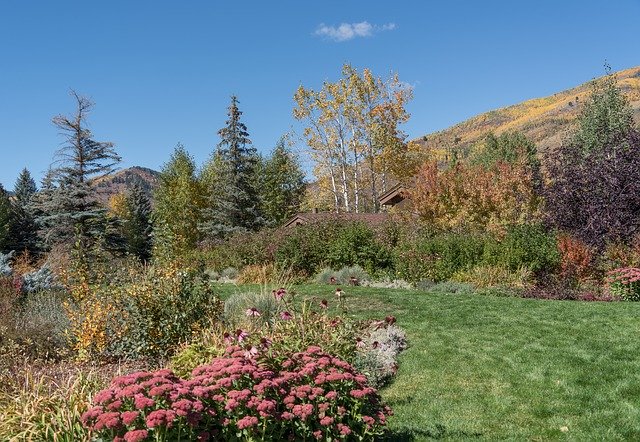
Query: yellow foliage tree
x=352, y=130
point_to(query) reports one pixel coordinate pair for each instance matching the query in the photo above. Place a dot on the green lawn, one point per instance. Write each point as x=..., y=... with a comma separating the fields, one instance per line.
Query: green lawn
x=507, y=368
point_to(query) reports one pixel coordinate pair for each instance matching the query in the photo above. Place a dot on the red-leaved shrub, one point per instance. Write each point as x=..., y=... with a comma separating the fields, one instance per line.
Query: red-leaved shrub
x=576, y=258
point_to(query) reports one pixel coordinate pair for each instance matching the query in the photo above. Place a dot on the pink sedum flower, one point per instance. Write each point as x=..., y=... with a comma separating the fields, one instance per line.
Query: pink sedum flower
x=136, y=435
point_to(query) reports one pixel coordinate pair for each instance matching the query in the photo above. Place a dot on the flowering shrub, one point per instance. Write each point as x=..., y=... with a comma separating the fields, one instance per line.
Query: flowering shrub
x=288, y=326
x=310, y=395
x=625, y=283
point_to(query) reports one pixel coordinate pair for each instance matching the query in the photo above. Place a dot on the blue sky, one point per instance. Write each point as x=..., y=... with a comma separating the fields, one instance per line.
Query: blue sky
x=162, y=72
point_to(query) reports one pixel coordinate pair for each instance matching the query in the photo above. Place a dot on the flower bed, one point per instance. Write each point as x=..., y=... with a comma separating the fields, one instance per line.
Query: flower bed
x=310, y=395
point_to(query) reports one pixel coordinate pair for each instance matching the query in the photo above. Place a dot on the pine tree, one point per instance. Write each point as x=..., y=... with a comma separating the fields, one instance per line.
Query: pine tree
x=24, y=230
x=233, y=204
x=25, y=188
x=282, y=184
x=5, y=220
x=218, y=192
x=73, y=214
x=178, y=204
x=137, y=223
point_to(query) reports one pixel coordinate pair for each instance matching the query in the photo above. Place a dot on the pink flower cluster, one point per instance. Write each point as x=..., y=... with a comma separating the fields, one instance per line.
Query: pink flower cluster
x=625, y=283
x=310, y=394
x=624, y=275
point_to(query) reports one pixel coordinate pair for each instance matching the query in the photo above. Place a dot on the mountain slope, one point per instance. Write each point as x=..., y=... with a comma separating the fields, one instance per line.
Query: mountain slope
x=125, y=178
x=543, y=120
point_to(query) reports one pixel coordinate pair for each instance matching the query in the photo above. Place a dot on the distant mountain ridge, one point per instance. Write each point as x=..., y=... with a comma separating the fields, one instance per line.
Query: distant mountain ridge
x=124, y=179
x=543, y=120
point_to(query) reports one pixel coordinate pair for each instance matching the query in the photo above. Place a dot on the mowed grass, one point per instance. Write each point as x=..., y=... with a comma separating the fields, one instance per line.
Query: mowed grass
x=506, y=368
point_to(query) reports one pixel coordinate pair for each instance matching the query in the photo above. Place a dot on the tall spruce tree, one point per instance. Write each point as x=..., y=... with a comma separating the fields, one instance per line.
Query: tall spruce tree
x=233, y=198
x=24, y=230
x=178, y=204
x=72, y=213
x=137, y=223
x=218, y=193
x=6, y=218
x=281, y=184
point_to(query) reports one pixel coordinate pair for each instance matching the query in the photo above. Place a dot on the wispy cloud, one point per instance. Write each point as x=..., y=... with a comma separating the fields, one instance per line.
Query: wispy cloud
x=349, y=31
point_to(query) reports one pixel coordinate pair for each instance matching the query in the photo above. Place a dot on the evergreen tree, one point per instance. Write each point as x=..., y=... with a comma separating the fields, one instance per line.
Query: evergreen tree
x=25, y=188
x=5, y=220
x=219, y=202
x=282, y=184
x=137, y=223
x=233, y=204
x=73, y=214
x=178, y=204
x=24, y=230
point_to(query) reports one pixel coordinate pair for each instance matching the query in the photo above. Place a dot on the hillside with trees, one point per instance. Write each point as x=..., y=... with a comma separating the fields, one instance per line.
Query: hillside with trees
x=545, y=121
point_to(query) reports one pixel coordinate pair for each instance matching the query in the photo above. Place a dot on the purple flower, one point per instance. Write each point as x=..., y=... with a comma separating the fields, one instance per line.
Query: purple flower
x=250, y=352
x=241, y=335
x=253, y=312
x=280, y=293
x=285, y=316
x=324, y=304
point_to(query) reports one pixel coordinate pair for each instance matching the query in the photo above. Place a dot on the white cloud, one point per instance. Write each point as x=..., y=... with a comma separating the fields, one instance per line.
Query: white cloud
x=349, y=31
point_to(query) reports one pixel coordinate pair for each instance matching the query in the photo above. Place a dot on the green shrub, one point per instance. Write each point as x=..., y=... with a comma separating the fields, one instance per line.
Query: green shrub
x=438, y=257
x=304, y=248
x=356, y=245
x=161, y=310
x=530, y=246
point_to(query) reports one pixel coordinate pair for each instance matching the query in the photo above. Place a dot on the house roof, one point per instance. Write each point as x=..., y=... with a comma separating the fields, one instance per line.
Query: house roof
x=305, y=218
x=393, y=196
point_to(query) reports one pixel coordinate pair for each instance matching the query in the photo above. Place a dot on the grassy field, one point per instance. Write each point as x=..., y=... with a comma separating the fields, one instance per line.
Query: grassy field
x=507, y=368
